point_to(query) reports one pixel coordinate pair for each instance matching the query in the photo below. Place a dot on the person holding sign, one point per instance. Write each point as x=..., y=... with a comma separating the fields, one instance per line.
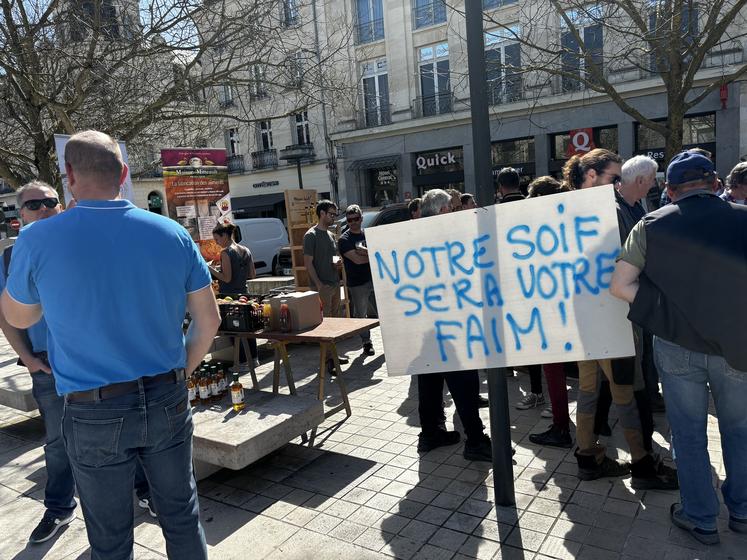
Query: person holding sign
x=671, y=271
x=464, y=386
x=596, y=168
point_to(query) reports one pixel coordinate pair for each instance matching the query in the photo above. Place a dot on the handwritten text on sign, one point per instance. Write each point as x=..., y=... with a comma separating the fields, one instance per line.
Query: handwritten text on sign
x=513, y=284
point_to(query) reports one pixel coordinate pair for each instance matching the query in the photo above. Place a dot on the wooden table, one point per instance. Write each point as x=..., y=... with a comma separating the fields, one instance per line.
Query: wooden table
x=327, y=334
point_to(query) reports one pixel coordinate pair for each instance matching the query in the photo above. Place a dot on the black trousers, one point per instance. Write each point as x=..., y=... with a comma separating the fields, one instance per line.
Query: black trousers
x=464, y=387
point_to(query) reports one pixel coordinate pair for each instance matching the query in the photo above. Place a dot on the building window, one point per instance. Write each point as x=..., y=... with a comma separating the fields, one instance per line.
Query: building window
x=225, y=95
x=512, y=152
x=492, y=4
x=99, y=15
x=232, y=141
x=301, y=121
x=264, y=135
x=291, y=13
x=370, y=24
x=435, y=89
x=503, y=63
x=295, y=69
x=689, y=28
x=588, y=23
x=429, y=12
x=697, y=130
x=257, y=86
x=375, y=84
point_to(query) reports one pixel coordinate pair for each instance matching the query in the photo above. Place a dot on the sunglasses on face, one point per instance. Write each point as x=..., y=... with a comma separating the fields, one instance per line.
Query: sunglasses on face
x=36, y=204
x=354, y=219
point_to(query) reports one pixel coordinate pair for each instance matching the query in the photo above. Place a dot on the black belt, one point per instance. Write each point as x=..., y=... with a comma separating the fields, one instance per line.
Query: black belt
x=126, y=387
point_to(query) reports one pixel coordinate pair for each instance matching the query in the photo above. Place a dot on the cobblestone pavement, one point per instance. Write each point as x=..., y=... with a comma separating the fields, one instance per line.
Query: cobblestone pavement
x=363, y=492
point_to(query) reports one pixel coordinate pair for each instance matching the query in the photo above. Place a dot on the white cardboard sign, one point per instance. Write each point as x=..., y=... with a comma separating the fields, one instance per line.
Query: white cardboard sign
x=511, y=284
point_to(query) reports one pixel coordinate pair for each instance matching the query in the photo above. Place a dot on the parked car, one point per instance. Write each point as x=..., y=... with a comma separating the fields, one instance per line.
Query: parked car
x=390, y=214
x=264, y=237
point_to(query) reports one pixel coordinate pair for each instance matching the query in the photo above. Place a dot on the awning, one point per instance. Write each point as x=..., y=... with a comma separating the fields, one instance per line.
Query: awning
x=258, y=202
x=383, y=162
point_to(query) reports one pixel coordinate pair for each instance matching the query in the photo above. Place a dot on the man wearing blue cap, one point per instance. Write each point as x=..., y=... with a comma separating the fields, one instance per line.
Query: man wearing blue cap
x=671, y=271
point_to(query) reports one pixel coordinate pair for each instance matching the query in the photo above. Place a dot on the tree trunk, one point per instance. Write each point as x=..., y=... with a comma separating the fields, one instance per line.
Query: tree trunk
x=675, y=128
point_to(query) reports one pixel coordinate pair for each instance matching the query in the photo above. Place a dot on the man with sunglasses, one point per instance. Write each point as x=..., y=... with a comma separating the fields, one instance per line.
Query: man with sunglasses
x=114, y=282
x=357, y=269
x=38, y=201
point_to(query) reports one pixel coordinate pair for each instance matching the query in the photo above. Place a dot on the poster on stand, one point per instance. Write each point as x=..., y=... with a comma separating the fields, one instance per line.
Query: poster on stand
x=60, y=140
x=196, y=185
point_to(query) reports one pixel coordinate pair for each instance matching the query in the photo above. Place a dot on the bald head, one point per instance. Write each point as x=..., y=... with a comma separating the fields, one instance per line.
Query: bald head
x=94, y=159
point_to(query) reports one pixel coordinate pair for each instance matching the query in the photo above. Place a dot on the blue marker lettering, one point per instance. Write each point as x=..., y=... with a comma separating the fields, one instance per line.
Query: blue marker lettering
x=400, y=295
x=479, y=251
x=441, y=337
x=492, y=291
x=528, y=292
x=544, y=272
x=408, y=259
x=461, y=287
x=454, y=258
x=602, y=270
x=565, y=270
x=542, y=231
x=580, y=270
x=382, y=266
x=535, y=320
x=473, y=324
x=429, y=298
x=578, y=222
x=511, y=238
x=563, y=240
x=434, y=258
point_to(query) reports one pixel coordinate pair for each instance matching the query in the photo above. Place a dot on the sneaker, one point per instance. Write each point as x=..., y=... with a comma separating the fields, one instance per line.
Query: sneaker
x=554, y=437
x=737, y=525
x=479, y=450
x=589, y=469
x=482, y=402
x=705, y=536
x=650, y=474
x=441, y=438
x=146, y=505
x=546, y=412
x=531, y=400
x=48, y=527
x=368, y=349
x=343, y=360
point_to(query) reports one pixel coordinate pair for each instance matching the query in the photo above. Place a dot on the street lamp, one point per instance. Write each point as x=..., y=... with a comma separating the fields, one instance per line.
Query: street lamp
x=296, y=153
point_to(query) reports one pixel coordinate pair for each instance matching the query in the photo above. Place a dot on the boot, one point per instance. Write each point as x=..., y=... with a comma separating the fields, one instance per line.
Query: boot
x=648, y=474
x=589, y=469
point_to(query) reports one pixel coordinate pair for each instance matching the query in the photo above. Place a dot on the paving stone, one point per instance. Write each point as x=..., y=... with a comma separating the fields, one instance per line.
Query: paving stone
x=373, y=539
x=434, y=515
x=347, y=531
x=525, y=539
x=323, y=523
x=430, y=552
x=448, y=539
x=462, y=522
x=408, y=508
x=563, y=549
x=447, y=500
x=401, y=547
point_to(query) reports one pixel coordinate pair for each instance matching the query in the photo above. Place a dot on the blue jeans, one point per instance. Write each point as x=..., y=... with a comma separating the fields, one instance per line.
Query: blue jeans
x=60, y=488
x=107, y=439
x=686, y=377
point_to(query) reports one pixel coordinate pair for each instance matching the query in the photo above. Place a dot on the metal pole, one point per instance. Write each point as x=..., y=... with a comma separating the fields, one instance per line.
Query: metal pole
x=298, y=168
x=503, y=472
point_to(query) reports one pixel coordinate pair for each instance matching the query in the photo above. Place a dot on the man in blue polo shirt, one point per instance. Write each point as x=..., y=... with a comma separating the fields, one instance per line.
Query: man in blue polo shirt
x=114, y=282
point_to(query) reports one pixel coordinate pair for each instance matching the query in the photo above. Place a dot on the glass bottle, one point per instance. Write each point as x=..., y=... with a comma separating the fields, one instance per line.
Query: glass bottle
x=284, y=316
x=204, y=389
x=222, y=384
x=237, y=394
x=192, y=390
x=213, y=382
x=266, y=315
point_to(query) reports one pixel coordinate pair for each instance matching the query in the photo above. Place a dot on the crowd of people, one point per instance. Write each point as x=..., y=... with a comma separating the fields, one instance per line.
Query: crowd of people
x=118, y=420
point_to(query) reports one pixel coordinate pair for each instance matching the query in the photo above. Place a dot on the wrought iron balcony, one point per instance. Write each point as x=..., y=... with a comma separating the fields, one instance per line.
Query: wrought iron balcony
x=264, y=159
x=437, y=104
x=430, y=14
x=298, y=152
x=370, y=31
x=236, y=163
x=499, y=93
x=377, y=115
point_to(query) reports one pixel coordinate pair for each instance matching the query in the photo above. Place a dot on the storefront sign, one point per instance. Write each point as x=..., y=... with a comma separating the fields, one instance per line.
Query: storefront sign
x=439, y=161
x=264, y=184
x=581, y=141
x=125, y=190
x=521, y=283
x=386, y=177
x=196, y=184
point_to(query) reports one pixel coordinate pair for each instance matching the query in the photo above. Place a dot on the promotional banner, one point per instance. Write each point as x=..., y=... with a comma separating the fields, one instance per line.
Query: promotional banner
x=580, y=141
x=125, y=191
x=506, y=285
x=196, y=185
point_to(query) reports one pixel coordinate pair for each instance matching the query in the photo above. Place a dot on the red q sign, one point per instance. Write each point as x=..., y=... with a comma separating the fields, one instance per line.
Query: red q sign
x=581, y=141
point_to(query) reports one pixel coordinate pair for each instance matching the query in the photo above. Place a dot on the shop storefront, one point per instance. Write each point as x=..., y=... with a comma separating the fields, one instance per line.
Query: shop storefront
x=699, y=131
x=564, y=145
x=379, y=178
x=519, y=154
x=438, y=169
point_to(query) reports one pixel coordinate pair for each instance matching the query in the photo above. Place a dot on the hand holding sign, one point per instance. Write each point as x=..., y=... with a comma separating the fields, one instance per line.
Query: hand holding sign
x=516, y=284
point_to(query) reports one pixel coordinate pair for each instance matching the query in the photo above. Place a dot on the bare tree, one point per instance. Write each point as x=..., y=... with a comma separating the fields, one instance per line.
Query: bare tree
x=687, y=48
x=151, y=72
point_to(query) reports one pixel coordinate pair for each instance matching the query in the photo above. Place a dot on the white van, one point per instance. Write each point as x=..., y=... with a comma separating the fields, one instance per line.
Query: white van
x=263, y=237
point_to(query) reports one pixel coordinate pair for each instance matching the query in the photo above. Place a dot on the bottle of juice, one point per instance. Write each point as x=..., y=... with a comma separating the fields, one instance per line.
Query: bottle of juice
x=237, y=394
x=204, y=388
x=284, y=316
x=192, y=391
x=266, y=315
x=222, y=383
x=213, y=382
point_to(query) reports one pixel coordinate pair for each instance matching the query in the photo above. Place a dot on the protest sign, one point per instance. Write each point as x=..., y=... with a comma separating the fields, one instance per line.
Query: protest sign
x=196, y=184
x=60, y=140
x=513, y=284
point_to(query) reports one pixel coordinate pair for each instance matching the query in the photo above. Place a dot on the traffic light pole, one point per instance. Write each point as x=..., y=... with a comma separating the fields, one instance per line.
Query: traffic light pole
x=503, y=473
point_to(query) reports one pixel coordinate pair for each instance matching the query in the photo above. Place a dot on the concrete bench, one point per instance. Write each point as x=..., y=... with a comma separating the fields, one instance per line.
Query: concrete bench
x=227, y=439
x=15, y=385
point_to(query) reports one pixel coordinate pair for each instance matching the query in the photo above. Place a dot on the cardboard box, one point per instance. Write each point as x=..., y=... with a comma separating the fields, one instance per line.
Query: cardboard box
x=304, y=307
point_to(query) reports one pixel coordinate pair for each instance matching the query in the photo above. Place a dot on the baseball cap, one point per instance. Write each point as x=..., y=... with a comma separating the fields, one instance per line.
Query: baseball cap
x=688, y=166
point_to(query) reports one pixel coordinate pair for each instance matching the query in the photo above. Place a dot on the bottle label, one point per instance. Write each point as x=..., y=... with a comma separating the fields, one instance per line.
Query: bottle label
x=204, y=392
x=192, y=394
x=237, y=395
x=222, y=384
x=214, y=388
